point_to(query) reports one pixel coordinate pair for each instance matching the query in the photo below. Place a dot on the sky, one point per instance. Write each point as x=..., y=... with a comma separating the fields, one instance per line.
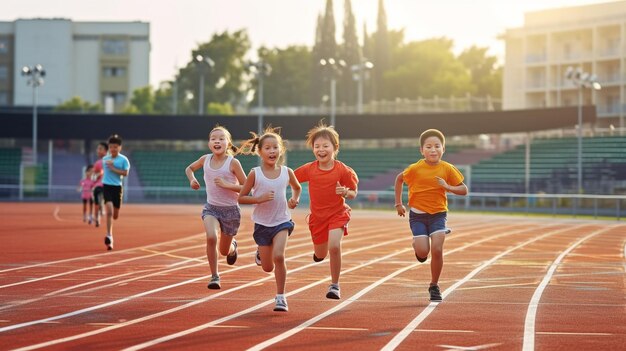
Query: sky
x=176, y=27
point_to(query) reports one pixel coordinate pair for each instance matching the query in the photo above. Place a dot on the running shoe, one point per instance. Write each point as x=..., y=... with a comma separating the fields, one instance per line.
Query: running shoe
x=108, y=241
x=214, y=283
x=232, y=258
x=333, y=292
x=435, y=293
x=281, y=304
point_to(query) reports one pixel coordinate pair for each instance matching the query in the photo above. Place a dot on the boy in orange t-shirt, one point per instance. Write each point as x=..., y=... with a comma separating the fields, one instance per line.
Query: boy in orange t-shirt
x=428, y=181
x=330, y=183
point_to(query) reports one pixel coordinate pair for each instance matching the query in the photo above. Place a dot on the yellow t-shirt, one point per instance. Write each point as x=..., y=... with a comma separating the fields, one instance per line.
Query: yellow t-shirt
x=425, y=193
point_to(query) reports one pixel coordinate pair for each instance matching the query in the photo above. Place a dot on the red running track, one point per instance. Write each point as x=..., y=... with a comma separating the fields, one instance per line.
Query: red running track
x=509, y=283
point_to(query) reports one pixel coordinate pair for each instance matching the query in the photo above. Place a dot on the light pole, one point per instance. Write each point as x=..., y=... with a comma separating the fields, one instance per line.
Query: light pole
x=35, y=76
x=581, y=80
x=261, y=69
x=201, y=61
x=360, y=72
x=335, y=67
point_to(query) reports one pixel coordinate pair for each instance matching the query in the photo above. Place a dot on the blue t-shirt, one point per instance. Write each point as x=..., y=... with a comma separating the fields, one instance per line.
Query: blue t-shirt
x=119, y=162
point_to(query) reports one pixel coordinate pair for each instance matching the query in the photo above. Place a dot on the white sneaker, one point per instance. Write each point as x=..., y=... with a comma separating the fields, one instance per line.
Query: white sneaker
x=257, y=258
x=281, y=304
x=108, y=241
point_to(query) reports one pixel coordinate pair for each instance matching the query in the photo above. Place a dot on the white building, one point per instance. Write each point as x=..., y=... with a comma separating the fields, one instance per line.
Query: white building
x=92, y=60
x=592, y=37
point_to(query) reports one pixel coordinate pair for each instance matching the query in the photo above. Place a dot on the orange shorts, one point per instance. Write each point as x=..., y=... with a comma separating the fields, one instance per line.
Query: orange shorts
x=321, y=227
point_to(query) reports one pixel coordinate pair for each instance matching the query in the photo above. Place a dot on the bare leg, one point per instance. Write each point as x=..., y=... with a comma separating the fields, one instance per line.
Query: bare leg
x=421, y=246
x=211, y=226
x=436, y=262
x=334, y=248
x=226, y=244
x=320, y=250
x=109, y=206
x=280, y=274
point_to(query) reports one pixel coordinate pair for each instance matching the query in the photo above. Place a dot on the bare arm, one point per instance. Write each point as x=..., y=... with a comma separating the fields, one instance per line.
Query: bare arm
x=237, y=170
x=460, y=189
x=244, y=194
x=398, y=194
x=194, y=166
x=122, y=172
x=296, y=190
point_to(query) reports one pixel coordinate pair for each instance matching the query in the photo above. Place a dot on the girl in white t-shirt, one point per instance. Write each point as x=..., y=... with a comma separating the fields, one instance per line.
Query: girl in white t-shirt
x=272, y=220
x=223, y=177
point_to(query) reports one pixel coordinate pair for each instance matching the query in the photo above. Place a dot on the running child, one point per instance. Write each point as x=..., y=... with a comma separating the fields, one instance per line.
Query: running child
x=85, y=187
x=116, y=167
x=272, y=220
x=428, y=180
x=223, y=177
x=98, y=173
x=331, y=182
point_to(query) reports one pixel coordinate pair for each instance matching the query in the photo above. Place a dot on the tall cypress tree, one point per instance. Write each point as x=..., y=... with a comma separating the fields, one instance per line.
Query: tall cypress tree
x=316, y=70
x=328, y=45
x=350, y=53
x=381, y=53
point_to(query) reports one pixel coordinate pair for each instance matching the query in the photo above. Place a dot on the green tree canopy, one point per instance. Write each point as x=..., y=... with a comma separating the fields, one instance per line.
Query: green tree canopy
x=77, y=104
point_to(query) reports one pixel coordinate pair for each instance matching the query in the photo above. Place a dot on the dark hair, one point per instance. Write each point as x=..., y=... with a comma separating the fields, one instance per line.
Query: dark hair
x=323, y=131
x=430, y=133
x=89, y=166
x=252, y=145
x=115, y=139
x=104, y=145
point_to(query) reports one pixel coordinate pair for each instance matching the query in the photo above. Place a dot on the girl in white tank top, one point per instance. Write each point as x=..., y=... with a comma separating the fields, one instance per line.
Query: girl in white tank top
x=266, y=188
x=221, y=215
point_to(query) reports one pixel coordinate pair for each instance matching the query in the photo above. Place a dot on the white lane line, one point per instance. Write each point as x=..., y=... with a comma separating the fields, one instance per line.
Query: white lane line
x=395, y=342
x=195, y=236
x=199, y=301
x=469, y=348
x=531, y=313
x=444, y=331
x=55, y=214
x=338, y=328
x=568, y=333
x=356, y=296
x=99, y=266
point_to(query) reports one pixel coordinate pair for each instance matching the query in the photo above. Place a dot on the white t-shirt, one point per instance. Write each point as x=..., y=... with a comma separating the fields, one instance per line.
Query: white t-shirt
x=216, y=195
x=274, y=212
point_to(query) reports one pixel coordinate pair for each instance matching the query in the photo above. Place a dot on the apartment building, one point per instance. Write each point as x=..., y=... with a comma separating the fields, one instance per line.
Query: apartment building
x=97, y=61
x=590, y=37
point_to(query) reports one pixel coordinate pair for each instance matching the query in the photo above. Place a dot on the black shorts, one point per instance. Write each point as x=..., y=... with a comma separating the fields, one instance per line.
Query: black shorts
x=97, y=195
x=113, y=193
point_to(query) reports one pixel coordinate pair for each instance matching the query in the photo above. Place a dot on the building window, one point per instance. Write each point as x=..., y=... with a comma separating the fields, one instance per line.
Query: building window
x=115, y=47
x=118, y=98
x=4, y=73
x=4, y=46
x=114, y=71
x=4, y=98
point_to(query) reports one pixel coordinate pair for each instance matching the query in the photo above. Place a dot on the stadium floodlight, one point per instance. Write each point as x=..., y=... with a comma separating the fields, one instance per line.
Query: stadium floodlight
x=335, y=67
x=360, y=72
x=35, y=76
x=581, y=80
x=261, y=69
x=201, y=63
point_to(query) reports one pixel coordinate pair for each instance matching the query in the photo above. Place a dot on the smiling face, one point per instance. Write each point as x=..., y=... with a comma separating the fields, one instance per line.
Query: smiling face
x=432, y=150
x=270, y=151
x=218, y=142
x=114, y=149
x=323, y=149
x=101, y=151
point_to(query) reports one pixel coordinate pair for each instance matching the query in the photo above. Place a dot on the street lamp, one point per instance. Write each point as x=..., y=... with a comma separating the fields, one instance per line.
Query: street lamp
x=581, y=80
x=360, y=72
x=335, y=67
x=202, y=62
x=35, y=76
x=261, y=69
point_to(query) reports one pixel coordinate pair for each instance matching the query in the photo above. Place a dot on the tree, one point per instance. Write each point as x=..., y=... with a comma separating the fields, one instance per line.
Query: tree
x=77, y=104
x=290, y=81
x=485, y=75
x=224, y=82
x=142, y=101
x=427, y=68
x=382, y=54
x=216, y=108
x=351, y=54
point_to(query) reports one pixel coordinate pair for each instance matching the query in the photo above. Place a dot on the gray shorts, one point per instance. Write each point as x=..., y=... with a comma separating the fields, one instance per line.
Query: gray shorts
x=229, y=217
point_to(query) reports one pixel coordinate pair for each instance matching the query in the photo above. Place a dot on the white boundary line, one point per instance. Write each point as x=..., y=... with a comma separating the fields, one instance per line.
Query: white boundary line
x=55, y=214
x=395, y=342
x=196, y=302
x=191, y=237
x=319, y=317
x=115, y=302
x=531, y=314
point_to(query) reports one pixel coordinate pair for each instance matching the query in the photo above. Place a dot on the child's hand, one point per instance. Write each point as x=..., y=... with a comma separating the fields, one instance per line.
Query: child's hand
x=401, y=210
x=442, y=183
x=220, y=182
x=341, y=190
x=269, y=196
x=292, y=203
x=109, y=164
x=194, y=184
